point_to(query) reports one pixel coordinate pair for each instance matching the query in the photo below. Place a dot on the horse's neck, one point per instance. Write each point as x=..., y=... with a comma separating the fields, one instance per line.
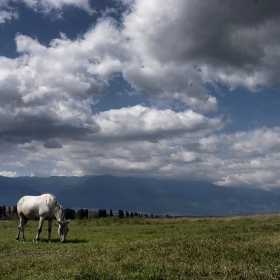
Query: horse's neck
x=58, y=212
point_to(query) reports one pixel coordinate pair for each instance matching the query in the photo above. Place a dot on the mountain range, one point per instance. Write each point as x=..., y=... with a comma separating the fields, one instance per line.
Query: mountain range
x=188, y=198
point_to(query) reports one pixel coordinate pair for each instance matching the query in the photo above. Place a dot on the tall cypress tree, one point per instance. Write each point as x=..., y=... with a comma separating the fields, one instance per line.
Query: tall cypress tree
x=121, y=214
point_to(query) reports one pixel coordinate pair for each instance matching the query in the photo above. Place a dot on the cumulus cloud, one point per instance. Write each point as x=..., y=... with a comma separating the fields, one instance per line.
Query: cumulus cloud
x=150, y=27
x=172, y=50
x=236, y=42
x=7, y=13
x=47, y=6
x=8, y=174
x=196, y=156
x=46, y=91
x=52, y=144
x=169, y=49
x=52, y=87
x=247, y=158
x=184, y=148
x=152, y=124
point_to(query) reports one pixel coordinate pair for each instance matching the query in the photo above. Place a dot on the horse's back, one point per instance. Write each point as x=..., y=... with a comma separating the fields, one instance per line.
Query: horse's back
x=32, y=207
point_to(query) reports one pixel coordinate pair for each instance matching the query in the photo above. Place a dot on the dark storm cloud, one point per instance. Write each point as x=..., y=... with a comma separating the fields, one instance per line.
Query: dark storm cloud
x=52, y=144
x=234, y=42
x=26, y=128
x=211, y=31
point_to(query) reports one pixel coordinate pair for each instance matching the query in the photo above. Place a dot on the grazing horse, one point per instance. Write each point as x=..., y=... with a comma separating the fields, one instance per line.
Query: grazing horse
x=43, y=207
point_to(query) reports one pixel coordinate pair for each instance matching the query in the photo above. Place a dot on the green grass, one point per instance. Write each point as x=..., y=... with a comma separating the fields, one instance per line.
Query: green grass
x=183, y=248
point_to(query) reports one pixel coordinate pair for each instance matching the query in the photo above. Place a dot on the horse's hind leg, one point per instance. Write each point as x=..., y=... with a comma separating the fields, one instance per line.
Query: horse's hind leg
x=19, y=228
x=22, y=222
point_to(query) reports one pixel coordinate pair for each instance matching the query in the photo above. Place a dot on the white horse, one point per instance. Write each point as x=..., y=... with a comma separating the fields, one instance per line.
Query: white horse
x=43, y=207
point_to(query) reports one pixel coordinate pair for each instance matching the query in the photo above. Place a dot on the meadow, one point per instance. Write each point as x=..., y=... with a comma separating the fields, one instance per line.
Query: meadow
x=139, y=248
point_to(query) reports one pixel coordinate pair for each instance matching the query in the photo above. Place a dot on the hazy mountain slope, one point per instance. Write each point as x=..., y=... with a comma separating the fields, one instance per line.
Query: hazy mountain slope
x=143, y=195
x=161, y=196
x=48, y=184
x=11, y=191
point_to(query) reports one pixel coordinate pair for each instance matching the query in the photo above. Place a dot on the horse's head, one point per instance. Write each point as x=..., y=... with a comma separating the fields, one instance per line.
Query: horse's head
x=63, y=229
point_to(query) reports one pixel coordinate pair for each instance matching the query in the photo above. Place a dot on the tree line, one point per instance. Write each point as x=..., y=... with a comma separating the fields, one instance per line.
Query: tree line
x=102, y=213
x=9, y=212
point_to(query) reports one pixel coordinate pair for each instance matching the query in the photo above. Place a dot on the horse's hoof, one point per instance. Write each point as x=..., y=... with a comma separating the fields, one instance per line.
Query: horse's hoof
x=36, y=239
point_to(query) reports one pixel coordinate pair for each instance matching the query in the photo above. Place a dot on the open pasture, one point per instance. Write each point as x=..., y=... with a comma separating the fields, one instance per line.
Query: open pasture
x=138, y=248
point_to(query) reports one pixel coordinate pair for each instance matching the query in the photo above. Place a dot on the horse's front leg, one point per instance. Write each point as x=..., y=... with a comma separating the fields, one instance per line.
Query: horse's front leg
x=49, y=230
x=41, y=222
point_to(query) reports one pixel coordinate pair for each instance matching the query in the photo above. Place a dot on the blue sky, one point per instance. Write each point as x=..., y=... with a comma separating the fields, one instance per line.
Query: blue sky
x=174, y=89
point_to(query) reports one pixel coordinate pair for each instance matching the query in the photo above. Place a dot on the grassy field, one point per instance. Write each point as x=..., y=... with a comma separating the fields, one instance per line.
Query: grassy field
x=138, y=248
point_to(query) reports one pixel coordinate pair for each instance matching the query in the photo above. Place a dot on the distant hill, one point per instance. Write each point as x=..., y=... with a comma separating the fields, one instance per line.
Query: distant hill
x=12, y=190
x=143, y=195
x=169, y=196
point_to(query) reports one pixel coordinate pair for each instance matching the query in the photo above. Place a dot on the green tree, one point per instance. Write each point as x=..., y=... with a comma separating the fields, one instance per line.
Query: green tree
x=121, y=214
x=69, y=213
x=102, y=213
x=81, y=214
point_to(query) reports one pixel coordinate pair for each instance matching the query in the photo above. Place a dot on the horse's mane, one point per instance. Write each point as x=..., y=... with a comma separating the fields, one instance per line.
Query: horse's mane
x=57, y=207
x=54, y=201
x=52, y=195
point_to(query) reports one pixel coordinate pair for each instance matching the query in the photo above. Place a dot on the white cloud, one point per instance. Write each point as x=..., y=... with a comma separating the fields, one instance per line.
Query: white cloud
x=187, y=156
x=260, y=142
x=8, y=174
x=15, y=164
x=152, y=124
x=7, y=13
x=48, y=5
x=53, y=87
x=174, y=48
x=126, y=148
x=169, y=49
x=237, y=43
x=151, y=27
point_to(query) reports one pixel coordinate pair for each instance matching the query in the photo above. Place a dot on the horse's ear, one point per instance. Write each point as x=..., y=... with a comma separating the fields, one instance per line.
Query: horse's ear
x=68, y=221
x=59, y=222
